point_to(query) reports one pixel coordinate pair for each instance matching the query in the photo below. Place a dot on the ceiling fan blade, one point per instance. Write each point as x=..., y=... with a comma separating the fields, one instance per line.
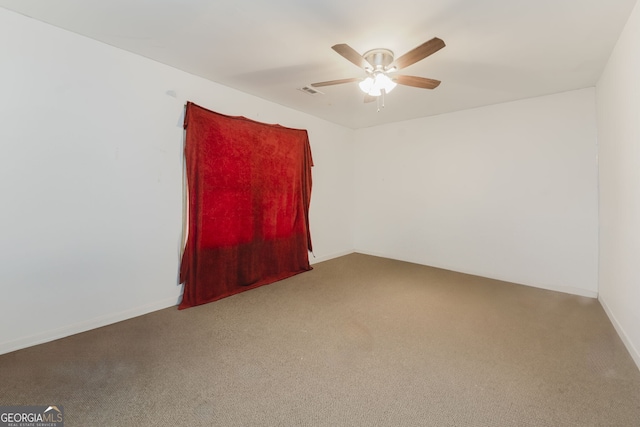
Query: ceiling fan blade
x=418, y=53
x=414, y=81
x=335, y=82
x=369, y=98
x=351, y=55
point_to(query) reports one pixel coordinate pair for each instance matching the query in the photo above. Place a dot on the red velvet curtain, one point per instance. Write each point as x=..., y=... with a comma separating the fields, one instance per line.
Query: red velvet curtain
x=249, y=187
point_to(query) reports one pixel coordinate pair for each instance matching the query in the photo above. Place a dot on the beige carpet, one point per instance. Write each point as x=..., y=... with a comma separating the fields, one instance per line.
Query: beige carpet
x=357, y=341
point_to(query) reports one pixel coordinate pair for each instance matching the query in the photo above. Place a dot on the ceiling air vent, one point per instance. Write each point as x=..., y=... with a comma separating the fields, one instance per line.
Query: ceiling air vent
x=310, y=90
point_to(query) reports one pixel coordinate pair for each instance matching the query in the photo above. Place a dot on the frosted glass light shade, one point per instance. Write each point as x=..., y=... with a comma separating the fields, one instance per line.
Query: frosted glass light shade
x=373, y=86
x=366, y=85
x=384, y=82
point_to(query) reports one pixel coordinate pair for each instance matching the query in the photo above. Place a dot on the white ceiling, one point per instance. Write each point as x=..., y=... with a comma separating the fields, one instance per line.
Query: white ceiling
x=497, y=50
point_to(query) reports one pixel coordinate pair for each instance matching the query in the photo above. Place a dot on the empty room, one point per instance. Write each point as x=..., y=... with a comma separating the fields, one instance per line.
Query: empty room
x=321, y=213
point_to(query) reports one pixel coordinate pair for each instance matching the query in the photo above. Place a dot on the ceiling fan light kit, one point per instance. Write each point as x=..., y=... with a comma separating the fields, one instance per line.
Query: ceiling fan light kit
x=374, y=86
x=378, y=63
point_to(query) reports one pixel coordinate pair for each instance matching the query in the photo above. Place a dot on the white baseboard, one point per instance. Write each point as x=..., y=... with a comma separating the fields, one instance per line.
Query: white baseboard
x=633, y=351
x=98, y=322
x=315, y=260
x=564, y=289
x=76, y=328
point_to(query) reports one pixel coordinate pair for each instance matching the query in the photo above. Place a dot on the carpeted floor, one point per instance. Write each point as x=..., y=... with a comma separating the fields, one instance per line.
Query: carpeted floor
x=358, y=341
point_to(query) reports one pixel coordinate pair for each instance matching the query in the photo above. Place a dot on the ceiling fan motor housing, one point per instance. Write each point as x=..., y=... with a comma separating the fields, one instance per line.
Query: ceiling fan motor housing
x=379, y=59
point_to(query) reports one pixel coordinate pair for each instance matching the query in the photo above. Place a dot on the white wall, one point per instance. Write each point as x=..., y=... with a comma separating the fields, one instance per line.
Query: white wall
x=90, y=180
x=618, y=96
x=507, y=191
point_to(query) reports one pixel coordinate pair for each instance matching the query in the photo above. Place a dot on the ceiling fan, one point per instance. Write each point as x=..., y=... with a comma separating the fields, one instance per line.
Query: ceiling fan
x=378, y=63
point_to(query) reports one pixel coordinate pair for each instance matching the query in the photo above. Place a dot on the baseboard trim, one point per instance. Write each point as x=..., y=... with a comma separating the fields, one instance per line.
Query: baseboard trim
x=315, y=260
x=564, y=289
x=98, y=322
x=633, y=351
x=76, y=328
